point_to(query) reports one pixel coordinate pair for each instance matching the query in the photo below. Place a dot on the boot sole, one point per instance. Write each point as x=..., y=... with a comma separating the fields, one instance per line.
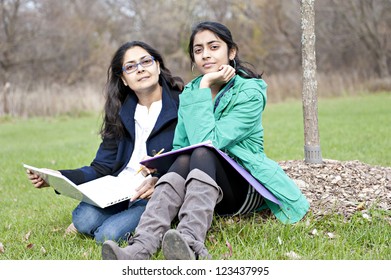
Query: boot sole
x=108, y=251
x=175, y=247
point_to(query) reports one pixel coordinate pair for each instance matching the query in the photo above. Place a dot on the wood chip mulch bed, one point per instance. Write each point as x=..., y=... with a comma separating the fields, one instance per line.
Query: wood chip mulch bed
x=341, y=187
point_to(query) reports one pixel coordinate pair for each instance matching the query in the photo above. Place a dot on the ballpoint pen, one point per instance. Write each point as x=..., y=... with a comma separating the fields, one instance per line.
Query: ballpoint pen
x=141, y=168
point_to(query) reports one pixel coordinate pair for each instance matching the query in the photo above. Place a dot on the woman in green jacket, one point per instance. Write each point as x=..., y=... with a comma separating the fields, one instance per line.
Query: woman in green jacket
x=223, y=105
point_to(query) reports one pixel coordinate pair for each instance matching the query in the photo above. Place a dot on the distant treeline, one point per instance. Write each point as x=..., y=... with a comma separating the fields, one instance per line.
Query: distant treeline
x=69, y=42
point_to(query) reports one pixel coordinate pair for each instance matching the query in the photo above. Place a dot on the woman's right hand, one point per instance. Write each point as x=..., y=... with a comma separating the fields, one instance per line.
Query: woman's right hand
x=36, y=180
x=146, y=188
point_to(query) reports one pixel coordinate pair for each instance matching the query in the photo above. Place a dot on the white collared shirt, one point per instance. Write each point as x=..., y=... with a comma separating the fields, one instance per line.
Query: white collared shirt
x=144, y=120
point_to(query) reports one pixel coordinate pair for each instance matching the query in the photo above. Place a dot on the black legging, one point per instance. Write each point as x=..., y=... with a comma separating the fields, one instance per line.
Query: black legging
x=234, y=187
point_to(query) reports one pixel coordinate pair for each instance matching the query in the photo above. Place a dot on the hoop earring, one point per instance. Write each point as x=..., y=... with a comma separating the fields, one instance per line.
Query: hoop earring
x=192, y=70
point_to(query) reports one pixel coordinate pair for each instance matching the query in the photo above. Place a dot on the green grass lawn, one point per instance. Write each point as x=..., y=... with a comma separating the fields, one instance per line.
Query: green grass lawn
x=350, y=128
x=32, y=222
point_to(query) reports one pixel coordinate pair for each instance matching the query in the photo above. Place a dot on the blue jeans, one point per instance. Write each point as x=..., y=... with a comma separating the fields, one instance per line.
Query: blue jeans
x=116, y=222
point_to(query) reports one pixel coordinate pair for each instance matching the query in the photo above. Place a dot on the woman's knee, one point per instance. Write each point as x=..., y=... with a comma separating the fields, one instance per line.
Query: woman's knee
x=202, y=155
x=85, y=218
x=118, y=227
x=181, y=165
x=205, y=160
x=108, y=232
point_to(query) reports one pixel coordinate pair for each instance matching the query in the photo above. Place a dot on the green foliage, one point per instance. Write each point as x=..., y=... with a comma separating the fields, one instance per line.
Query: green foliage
x=33, y=221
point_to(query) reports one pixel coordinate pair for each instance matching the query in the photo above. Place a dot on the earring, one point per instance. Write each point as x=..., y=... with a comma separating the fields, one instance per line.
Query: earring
x=192, y=70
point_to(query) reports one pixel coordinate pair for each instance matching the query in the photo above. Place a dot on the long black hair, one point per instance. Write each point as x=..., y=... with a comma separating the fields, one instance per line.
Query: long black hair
x=224, y=34
x=116, y=91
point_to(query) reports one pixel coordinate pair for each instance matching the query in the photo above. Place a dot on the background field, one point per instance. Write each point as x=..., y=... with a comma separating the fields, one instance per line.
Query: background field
x=32, y=222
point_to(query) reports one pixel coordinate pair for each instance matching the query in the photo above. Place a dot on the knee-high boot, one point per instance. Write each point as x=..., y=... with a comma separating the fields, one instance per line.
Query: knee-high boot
x=161, y=209
x=195, y=218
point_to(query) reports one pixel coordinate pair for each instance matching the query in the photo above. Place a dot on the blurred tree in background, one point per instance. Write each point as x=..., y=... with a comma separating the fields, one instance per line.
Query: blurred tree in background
x=65, y=43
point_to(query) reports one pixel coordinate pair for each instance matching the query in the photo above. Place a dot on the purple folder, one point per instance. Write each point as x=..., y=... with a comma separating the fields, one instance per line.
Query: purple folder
x=163, y=162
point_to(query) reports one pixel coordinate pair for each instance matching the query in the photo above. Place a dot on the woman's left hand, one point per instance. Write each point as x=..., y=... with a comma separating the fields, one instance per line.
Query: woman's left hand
x=146, y=188
x=222, y=76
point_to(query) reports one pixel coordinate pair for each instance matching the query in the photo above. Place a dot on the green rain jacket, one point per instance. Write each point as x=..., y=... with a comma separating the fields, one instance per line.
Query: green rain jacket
x=233, y=122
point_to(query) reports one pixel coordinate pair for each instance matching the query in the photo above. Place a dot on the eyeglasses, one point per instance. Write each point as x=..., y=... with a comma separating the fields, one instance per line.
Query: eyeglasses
x=129, y=68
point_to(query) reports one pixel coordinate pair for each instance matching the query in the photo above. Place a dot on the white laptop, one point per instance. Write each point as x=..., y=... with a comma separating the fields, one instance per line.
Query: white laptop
x=102, y=192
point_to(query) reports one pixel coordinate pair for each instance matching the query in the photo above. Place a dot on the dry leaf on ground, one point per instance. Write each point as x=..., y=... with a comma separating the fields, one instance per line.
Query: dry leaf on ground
x=341, y=187
x=27, y=236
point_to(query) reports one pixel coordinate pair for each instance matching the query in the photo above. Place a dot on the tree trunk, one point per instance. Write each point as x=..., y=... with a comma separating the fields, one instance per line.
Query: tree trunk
x=383, y=65
x=6, y=92
x=312, y=150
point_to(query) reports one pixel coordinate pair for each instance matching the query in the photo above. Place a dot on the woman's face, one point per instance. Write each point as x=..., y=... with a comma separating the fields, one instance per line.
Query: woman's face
x=142, y=78
x=210, y=52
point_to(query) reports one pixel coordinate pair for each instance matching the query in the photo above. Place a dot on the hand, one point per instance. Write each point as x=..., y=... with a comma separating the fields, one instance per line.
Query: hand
x=36, y=180
x=145, y=171
x=146, y=188
x=225, y=73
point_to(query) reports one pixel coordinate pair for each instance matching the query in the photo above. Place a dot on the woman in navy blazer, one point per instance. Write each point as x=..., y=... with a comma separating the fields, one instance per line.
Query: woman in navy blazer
x=140, y=115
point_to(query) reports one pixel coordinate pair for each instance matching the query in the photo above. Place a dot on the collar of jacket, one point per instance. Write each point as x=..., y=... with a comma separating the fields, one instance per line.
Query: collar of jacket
x=169, y=112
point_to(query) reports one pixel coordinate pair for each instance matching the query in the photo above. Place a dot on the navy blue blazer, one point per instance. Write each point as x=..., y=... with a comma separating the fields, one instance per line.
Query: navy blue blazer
x=114, y=154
